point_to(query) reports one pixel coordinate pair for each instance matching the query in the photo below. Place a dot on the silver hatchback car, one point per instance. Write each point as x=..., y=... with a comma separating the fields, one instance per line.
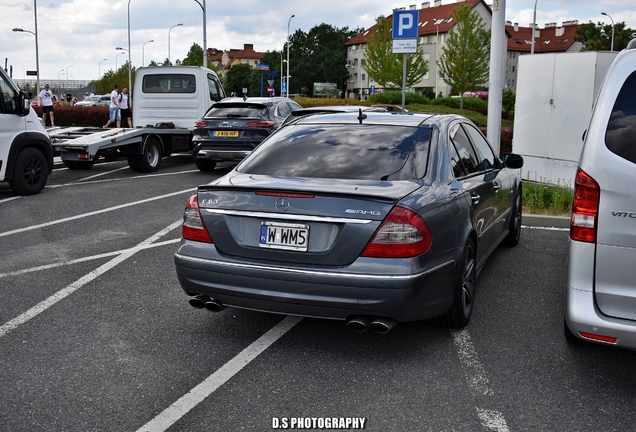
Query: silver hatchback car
x=600, y=297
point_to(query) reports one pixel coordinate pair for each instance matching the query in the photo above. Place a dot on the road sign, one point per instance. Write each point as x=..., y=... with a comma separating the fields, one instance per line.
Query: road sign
x=270, y=89
x=372, y=89
x=270, y=82
x=284, y=86
x=405, y=24
x=262, y=67
x=404, y=46
x=31, y=73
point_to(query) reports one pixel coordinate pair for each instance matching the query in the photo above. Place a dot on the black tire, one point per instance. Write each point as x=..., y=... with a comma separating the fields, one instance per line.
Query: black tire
x=461, y=310
x=31, y=171
x=133, y=163
x=205, y=165
x=512, y=239
x=83, y=165
x=150, y=160
x=570, y=337
x=68, y=164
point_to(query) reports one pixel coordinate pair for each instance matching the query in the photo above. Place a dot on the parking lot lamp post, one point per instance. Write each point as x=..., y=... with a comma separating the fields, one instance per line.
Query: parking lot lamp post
x=99, y=70
x=67, y=76
x=205, y=41
x=37, y=58
x=123, y=52
x=143, y=63
x=129, y=59
x=603, y=13
x=176, y=25
x=534, y=26
x=287, y=77
x=58, y=74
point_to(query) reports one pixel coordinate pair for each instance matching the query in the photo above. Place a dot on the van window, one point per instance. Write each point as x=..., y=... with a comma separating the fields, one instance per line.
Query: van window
x=621, y=129
x=216, y=91
x=169, y=83
x=7, y=97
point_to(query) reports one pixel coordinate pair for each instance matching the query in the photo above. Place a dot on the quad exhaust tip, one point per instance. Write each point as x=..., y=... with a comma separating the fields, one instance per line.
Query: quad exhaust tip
x=205, y=302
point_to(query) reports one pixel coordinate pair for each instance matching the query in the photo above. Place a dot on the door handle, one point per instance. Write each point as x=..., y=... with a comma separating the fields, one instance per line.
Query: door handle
x=474, y=197
x=496, y=186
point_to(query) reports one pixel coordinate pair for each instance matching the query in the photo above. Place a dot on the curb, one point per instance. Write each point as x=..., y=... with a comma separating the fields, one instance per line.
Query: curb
x=545, y=221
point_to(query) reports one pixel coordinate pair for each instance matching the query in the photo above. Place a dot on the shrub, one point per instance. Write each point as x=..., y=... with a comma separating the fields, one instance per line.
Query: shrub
x=541, y=198
x=469, y=102
x=395, y=97
x=66, y=115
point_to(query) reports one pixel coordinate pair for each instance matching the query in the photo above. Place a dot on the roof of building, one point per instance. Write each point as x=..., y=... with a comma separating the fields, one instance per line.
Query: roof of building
x=551, y=38
x=246, y=53
x=431, y=19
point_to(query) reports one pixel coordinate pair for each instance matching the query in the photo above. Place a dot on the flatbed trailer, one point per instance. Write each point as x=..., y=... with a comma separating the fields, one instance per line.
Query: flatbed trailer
x=80, y=147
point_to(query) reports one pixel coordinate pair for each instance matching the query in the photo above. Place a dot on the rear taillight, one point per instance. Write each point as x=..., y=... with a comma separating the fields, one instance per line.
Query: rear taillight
x=193, y=227
x=260, y=124
x=597, y=337
x=403, y=234
x=200, y=124
x=584, y=208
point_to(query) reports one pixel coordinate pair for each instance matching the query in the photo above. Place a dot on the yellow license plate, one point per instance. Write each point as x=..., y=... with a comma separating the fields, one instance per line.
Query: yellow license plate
x=226, y=134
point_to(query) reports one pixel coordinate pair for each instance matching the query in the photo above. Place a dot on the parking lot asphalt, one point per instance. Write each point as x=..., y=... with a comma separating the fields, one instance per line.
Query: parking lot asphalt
x=96, y=333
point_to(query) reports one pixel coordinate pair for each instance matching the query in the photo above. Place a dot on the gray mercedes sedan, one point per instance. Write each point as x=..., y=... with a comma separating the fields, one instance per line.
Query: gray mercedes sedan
x=370, y=218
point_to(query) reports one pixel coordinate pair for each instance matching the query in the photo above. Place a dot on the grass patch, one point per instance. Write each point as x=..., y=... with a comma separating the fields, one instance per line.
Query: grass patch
x=544, y=199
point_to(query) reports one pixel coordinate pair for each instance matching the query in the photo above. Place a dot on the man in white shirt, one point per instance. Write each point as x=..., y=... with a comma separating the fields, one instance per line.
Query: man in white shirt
x=46, y=101
x=115, y=115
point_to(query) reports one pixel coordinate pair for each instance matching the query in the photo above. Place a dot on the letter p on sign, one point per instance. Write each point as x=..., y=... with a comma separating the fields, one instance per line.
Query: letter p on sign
x=405, y=24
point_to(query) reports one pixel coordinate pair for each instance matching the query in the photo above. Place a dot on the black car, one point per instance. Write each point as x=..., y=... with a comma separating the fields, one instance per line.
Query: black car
x=371, y=218
x=233, y=127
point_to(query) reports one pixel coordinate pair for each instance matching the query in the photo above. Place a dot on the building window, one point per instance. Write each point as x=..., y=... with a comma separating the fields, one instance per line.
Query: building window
x=362, y=62
x=364, y=77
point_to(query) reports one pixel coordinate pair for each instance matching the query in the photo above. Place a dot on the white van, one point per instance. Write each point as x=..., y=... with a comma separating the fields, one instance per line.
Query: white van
x=174, y=94
x=26, y=154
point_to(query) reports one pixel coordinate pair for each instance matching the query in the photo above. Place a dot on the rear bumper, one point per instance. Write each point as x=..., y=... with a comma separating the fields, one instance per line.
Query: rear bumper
x=338, y=293
x=222, y=155
x=582, y=315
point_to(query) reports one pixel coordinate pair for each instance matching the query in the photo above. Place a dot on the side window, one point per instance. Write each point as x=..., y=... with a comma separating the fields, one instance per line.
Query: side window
x=456, y=163
x=294, y=106
x=464, y=149
x=216, y=94
x=621, y=129
x=282, y=110
x=484, y=152
x=8, y=99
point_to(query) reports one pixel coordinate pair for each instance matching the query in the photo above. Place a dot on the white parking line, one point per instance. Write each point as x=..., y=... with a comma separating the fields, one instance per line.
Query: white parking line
x=473, y=369
x=84, y=259
x=102, y=174
x=492, y=420
x=10, y=199
x=545, y=228
x=77, y=183
x=60, y=295
x=195, y=396
x=84, y=215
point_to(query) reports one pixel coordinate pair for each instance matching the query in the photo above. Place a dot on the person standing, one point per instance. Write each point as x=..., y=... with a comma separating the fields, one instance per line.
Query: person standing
x=125, y=108
x=46, y=101
x=114, y=114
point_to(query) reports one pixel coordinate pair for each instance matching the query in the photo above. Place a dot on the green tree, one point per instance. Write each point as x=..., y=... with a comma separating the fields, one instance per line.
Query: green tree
x=110, y=78
x=318, y=56
x=239, y=77
x=465, y=56
x=194, y=56
x=598, y=37
x=384, y=66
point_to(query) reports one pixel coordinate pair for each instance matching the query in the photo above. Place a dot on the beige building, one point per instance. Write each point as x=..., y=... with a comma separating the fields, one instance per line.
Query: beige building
x=224, y=60
x=435, y=21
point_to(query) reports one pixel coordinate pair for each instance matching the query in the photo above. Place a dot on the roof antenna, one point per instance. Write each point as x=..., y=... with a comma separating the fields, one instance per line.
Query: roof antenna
x=361, y=116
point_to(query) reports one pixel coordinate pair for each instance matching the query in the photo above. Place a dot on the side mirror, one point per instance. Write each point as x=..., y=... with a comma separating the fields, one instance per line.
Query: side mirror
x=24, y=104
x=513, y=161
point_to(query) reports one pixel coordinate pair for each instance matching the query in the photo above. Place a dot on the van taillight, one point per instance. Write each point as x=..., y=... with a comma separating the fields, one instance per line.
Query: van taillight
x=193, y=227
x=584, y=208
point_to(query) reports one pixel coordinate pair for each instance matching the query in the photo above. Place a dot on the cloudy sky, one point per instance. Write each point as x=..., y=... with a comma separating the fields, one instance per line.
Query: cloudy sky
x=75, y=35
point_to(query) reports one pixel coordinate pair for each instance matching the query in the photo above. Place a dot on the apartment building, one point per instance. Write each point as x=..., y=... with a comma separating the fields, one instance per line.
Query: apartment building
x=224, y=60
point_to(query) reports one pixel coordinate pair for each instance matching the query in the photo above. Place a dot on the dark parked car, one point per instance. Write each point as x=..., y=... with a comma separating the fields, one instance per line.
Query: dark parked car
x=372, y=218
x=233, y=127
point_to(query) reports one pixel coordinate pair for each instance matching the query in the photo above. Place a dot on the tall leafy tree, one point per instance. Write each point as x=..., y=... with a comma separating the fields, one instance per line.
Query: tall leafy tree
x=194, y=56
x=465, y=56
x=318, y=56
x=598, y=37
x=384, y=66
x=239, y=77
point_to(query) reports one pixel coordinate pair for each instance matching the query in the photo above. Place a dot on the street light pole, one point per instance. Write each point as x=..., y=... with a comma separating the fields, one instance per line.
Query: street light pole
x=205, y=41
x=176, y=25
x=67, y=76
x=37, y=55
x=99, y=70
x=603, y=13
x=129, y=59
x=287, y=77
x=143, y=63
x=534, y=26
x=116, y=57
x=58, y=74
x=436, y=58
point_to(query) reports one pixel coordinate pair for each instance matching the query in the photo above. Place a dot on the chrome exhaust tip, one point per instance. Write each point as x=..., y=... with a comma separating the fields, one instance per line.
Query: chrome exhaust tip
x=358, y=324
x=199, y=301
x=382, y=325
x=214, y=305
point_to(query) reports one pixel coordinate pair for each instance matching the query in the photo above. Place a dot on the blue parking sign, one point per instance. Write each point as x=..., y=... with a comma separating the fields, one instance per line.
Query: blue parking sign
x=405, y=24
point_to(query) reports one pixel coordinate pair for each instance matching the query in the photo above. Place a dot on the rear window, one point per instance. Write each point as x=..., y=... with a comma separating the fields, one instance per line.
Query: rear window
x=351, y=152
x=169, y=83
x=237, y=111
x=620, y=137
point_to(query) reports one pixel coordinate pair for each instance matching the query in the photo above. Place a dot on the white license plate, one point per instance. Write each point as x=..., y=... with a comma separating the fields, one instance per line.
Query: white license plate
x=277, y=235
